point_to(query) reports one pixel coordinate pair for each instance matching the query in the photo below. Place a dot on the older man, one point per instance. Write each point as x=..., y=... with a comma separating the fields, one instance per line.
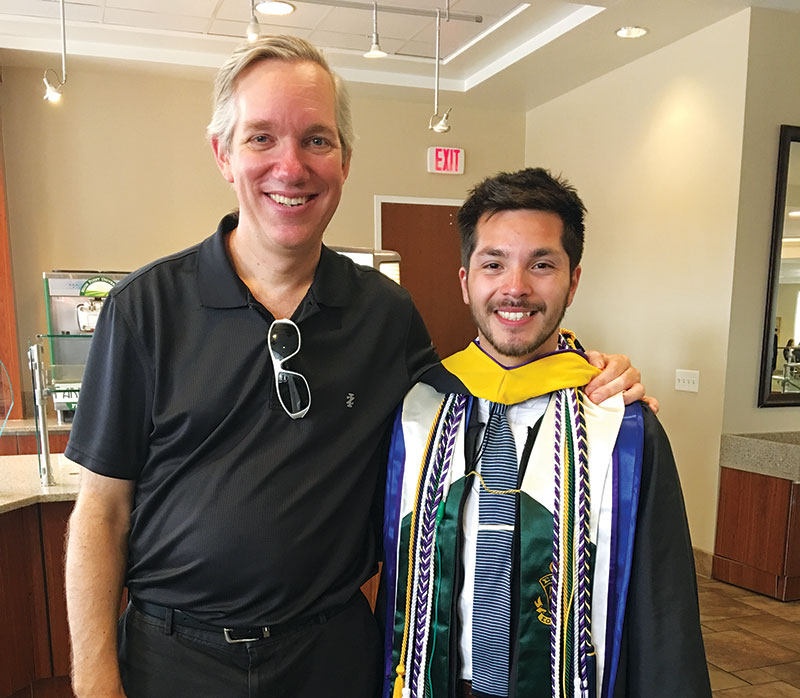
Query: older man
x=230, y=480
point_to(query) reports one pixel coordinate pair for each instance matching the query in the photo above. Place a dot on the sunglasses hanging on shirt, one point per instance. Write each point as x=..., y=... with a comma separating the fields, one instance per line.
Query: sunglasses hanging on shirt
x=283, y=339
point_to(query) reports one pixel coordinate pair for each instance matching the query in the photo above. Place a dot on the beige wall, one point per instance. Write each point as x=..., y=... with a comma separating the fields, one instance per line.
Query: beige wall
x=390, y=158
x=119, y=173
x=654, y=149
x=773, y=99
x=115, y=175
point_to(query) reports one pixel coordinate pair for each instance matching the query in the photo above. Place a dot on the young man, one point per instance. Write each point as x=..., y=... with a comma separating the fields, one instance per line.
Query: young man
x=230, y=482
x=536, y=544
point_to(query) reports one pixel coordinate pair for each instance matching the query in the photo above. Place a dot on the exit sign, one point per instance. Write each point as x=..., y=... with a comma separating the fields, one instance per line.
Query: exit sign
x=446, y=160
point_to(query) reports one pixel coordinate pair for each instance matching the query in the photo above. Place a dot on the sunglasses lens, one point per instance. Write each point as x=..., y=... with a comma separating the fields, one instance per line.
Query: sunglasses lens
x=293, y=390
x=284, y=340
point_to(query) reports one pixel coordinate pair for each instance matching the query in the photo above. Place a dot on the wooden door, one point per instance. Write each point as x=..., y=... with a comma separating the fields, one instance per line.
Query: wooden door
x=426, y=236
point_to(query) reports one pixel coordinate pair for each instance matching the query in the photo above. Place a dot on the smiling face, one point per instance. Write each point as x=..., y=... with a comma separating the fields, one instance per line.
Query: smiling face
x=519, y=284
x=285, y=160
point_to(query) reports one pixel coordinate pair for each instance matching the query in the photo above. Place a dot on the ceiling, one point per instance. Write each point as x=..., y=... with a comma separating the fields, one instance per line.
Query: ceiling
x=545, y=49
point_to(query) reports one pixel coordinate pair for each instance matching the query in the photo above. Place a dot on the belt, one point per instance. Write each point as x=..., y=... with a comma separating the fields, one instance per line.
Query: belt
x=232, y=635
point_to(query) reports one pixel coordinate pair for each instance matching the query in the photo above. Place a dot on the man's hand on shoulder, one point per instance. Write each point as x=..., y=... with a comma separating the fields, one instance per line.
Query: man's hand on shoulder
x=618, y=376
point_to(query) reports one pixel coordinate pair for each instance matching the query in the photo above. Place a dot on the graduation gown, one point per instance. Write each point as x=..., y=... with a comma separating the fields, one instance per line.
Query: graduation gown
x=645, y=618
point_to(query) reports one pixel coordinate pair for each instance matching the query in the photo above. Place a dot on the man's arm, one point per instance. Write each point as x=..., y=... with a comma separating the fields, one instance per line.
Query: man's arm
x=97, y=549
x=618, y=376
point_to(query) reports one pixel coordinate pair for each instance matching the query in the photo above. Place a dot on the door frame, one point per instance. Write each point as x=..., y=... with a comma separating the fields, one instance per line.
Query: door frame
x=387, y=199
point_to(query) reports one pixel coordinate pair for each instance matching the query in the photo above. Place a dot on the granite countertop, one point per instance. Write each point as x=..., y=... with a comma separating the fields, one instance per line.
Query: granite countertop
x=776, y=454
x=17, y=427
x=20, y=485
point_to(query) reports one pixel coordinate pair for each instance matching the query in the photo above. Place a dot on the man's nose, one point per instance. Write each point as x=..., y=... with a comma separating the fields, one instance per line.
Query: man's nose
x=516, y=283
x=290, y=166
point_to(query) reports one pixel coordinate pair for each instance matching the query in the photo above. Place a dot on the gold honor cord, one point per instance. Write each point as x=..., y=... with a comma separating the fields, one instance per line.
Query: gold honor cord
x=488, y=489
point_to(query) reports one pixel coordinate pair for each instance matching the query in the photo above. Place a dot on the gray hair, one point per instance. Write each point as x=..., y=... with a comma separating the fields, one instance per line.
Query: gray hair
x=282, y=48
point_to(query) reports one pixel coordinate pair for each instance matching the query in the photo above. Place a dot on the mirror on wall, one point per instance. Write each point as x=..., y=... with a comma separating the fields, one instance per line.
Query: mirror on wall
x=780, y=355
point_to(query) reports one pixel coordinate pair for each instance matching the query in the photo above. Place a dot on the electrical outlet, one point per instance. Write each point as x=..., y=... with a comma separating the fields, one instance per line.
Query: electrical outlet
x=687, y=380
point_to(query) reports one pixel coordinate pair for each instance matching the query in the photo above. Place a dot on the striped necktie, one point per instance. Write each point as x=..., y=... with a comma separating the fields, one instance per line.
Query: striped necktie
x=491, y=609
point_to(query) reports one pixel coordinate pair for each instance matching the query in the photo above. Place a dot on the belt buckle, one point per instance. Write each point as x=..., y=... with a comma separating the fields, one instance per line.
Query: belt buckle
x=234, y=640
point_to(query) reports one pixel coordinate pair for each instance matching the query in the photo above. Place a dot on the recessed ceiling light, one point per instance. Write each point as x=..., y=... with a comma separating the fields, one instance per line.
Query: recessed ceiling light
x=794, y=214
x=275, y=7
x=631, y=32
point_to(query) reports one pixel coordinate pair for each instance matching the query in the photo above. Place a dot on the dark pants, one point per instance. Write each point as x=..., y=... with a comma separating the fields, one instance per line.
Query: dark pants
x=340, y=657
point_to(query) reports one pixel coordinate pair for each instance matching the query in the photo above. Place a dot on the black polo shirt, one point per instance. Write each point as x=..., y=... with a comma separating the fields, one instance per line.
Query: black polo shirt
x=243, y=516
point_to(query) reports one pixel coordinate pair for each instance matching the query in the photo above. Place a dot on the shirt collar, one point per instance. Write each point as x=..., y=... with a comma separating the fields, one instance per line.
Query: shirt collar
x=217, y=281
x=221, y=287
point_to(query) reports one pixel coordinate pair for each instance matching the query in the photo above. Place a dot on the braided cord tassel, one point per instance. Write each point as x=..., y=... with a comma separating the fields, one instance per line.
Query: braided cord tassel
x=570, y=596
x=567, y=615
x=399, y=684
x=583, y=535
x=555, y=592
x=427, y=540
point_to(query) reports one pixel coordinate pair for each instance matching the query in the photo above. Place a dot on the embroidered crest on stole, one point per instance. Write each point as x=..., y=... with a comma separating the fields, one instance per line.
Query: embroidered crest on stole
x=542, y=610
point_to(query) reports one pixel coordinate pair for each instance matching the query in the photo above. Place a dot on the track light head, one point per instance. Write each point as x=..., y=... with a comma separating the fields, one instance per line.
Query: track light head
x=441, y=126
x=52, y=92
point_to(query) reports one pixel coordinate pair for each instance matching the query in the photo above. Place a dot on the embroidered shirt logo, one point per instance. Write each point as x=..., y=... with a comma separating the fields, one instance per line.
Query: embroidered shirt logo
x=350, y=400
x=543, y=607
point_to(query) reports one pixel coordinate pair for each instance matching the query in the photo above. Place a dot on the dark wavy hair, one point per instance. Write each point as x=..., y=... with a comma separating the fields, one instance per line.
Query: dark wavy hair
x=533, y=188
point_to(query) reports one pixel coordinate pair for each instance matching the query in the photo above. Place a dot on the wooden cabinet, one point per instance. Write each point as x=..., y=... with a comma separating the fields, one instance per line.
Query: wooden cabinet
x=26, y=444
x=8, y=445
x=53, y=520
x=34, y=641
x=24, y=637
x=758, y=534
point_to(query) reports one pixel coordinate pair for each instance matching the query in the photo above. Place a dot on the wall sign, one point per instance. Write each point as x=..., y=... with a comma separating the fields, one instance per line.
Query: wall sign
x=446, y=160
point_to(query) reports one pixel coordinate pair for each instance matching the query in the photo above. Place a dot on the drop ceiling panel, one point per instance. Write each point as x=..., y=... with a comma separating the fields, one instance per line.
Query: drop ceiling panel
x=47, y=8
x=224, y=27
x=186, y=8
x=351, y=42
x=345, y=20
x=152, y=20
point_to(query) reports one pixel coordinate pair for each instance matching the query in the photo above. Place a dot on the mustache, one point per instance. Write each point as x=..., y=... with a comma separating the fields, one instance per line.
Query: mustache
x=515, y=305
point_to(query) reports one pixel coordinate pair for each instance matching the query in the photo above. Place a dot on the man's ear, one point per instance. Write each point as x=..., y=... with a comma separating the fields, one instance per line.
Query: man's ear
x=346, y=164
x=223, y=162
x=573, y=284
x=462, y=277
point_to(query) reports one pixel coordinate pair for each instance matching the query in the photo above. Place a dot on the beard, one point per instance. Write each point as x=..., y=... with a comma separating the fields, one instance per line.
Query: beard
x=521, y=346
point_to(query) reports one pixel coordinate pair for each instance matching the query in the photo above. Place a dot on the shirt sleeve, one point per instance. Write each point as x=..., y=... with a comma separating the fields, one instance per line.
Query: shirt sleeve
x=109, y=435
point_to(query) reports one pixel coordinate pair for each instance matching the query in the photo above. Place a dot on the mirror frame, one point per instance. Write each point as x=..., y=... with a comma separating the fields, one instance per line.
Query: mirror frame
x=766, y=398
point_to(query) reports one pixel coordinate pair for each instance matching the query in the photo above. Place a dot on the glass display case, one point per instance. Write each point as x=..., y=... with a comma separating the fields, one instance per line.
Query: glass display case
x=73, y=301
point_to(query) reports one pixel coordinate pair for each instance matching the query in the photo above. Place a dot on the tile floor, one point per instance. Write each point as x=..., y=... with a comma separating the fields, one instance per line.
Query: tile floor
x=752, y=642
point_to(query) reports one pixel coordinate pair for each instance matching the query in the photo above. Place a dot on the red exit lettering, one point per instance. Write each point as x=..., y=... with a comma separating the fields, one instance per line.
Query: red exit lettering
x=446, y=160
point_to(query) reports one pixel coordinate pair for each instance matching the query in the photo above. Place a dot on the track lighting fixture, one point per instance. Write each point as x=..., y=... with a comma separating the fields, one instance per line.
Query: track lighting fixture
x=52, y=91
x=253, y=28
x=375, y=51
x=442, y=125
